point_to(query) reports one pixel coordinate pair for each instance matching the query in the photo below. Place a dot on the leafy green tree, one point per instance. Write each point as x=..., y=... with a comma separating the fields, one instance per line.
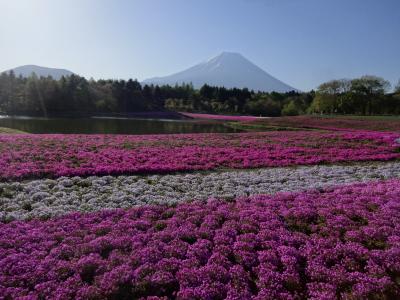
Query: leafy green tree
x=324, y=103
x=262, y=105
x=290, y=109
x=334, y=87
x=397, y=87
x=328, y=96
x=370, y=88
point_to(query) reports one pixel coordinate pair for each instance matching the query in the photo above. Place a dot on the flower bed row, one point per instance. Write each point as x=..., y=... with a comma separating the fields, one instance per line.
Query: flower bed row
x=47, y=198
x=321, y=244
x=35, y=156
x=328, y=122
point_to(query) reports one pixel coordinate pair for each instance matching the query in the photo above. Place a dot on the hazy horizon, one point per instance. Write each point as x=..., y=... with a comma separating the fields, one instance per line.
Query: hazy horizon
x=303, y=43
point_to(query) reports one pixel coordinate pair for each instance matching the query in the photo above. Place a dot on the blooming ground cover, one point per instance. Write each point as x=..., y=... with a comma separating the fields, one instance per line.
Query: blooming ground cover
x=36, y=156
x=322, y=244
x=46, y=198
x=116, y=216
x=325, y=122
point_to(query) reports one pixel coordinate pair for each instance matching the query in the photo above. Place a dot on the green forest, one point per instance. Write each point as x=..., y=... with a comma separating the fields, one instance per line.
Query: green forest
x=77, y=96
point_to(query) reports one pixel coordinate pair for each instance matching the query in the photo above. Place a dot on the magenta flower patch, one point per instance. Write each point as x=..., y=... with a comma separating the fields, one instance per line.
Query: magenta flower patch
x=320, y=244
x=33, y=156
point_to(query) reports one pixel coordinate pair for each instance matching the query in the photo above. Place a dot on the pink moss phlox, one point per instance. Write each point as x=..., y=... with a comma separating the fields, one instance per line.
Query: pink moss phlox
x=322, y=244
x=33, y=156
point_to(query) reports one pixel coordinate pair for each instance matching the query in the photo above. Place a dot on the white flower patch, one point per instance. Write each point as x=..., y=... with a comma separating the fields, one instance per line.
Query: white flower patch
x=48, y=198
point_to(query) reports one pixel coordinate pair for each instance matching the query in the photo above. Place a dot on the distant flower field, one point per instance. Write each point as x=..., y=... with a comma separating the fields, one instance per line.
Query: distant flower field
x=36, y=156
x=322, y=244
x=374, y=123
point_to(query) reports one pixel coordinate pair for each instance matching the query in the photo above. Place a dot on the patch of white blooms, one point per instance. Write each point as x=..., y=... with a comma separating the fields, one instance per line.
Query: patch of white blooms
x=48, y=198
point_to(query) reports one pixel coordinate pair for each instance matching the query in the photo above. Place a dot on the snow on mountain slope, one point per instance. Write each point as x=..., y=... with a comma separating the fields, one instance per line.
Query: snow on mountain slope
x=228, y=70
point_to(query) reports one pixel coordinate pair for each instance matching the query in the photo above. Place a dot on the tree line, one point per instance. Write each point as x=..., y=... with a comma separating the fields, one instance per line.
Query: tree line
x=76, y=96
x=367, y=95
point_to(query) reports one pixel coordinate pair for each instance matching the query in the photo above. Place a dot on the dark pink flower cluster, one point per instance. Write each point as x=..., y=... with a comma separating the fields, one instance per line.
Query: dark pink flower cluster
x=322, y=244
x=26, y=156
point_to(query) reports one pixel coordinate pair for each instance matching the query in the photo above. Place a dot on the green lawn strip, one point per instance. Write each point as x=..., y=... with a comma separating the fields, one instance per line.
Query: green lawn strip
x=11, y=130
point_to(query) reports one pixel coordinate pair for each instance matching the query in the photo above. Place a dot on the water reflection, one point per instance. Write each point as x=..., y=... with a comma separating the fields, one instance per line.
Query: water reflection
x=112, y=125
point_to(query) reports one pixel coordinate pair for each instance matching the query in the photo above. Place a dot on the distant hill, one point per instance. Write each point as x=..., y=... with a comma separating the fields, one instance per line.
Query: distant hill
x=27, y=71
x=229, y=70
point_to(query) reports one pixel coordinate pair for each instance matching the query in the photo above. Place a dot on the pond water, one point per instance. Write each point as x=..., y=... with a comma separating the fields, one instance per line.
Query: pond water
x=112, y=125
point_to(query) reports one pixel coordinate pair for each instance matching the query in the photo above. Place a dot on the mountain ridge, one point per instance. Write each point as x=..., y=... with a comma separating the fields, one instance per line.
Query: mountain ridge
x=27, y=70
x=228, y=69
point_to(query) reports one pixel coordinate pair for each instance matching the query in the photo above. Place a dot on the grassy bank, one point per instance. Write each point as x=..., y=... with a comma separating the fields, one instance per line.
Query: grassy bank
x=10, y=130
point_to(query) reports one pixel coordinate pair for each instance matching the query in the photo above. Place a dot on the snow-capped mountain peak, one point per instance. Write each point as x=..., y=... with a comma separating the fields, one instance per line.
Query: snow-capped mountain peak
x=227, y=69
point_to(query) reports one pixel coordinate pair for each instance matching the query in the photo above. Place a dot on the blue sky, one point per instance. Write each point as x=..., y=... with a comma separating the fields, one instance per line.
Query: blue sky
x=301, y=42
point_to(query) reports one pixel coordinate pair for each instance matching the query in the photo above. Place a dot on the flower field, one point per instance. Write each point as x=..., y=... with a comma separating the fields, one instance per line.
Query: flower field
x=331, y=123
x=320, y=244
x=261, y=215
x=46, y=198
x=33, y=156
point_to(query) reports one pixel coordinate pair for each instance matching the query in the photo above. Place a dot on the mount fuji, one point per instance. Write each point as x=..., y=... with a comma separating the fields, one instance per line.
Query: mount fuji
x=230, y=70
